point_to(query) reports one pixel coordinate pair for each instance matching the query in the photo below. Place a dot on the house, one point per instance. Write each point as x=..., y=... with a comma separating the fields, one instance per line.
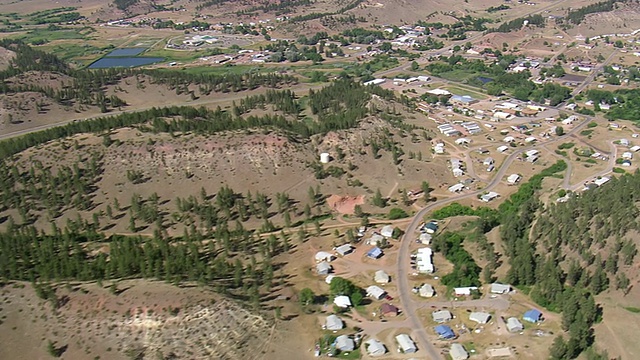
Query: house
x=345, y=249
x=463, y=100
x=502, y=148
x=389, y=310
x=456, y=188
x=601, y=181
x=375, y=82
x=488, y=161
x=376, y=292
x=333, y=323
x=464, y=291
x=500, y=288
x=635, y=148
x=439, y=92
x=328, y=279
x=626, y=163
x=323, y=268
x=627, y=155
x=387, y=231
x=375, y=348
x=427, y=291
x=489, y=196
x=480, y=317
x=532, y=316
x=509, y=139
x=324, y=256
x=345, y=343
x=457, y=352
x=445, y=332
x=342, y=301
x=513, y=179
x=423, y=261
x=381, y=277
x=462, y=141
x=375, y=239
x=374, y=253
x=405, y=344
x=530, y=139
x=624, y=142
x=514, y=325
x=532, y=152
x=441, y=316
x=532, y=159
x=425, y=238
x=431, y=227
x=457, y=172
x=501, y=115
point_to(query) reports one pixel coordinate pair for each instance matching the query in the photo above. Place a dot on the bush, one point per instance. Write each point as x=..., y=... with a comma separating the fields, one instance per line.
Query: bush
x=397, y=213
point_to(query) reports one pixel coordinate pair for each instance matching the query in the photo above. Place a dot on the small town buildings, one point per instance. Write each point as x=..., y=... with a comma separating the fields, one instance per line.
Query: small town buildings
x=463, y=100
x=345, y=249
x=456, y=188
x=333, y=323
x=426, y=291
x=627, y=155
x=405, y=344
x=464, y=291
x=375, y=239
x=457, y=352
x=509, y=139
x=480, y=317
x=388, y=310
x=438, y=92
x=375, y=82
x=431, y=227
x=374, y=253
x=442, y=316
x=488, y=161
x=462, y=141
x=323, y=268
x=375, y=348
x=532, y=159
x=635, y=148
x=342, y=301
x=381, y=277
x=324, y=256
x=457, y=172
x=532, y=152
x=345, y=343
x=423, y=261
x=502, y=148
x=489, y=196
x=530, y=139
x=424, y=238
x=532, y=316
x=445, y=332
x=514, y=325
x=513, y=179
x=387, y=231
x=500, y=288
x=624, y=142
x=376, y=292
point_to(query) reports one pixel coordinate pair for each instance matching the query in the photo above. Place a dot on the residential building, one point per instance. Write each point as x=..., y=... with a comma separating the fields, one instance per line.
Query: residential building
x=489, y=196
x=376, y=292
x=425, y=238
x=480, y=317
x=456, y=188
x=427, y=291
x=431, y=227
x=374, y=253
x=532, y=316
x=513, y=179
x=464, y=291
x=500, y=288
x=323, y=268
x=375, y=348
x=342, y=301
x=488, y=161
x=514, y=325
x=502, y=148
x=375, y=239
x=324, y=256
x=445, y=332
x=441, y=316
x=627, y=155
x=387, y=231
x=423, y=261
x=381, y=277
x=333, y=323
x=344, y=249
x=458, y=352
x=405, y=344
x=328, y=279
x=389, y=310
x=345, y=343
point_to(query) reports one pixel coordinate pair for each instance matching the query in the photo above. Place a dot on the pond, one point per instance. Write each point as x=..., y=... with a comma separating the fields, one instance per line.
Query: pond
x=111, y=62
x=484, y=80
x=125, y=52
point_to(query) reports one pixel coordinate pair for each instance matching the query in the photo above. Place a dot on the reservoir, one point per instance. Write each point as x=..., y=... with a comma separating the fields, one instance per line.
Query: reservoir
x=126, y=52
x=111, y=62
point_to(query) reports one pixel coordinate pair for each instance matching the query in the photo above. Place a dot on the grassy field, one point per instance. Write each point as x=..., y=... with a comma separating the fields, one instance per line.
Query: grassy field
x=465, y=91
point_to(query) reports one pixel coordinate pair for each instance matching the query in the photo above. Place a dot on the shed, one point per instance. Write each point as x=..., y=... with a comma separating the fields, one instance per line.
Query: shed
x=445, y=332
x=500, y=288
x=387, y=231
x=532, y=316
x=381, y=277
x=457, y=352
x=389, y=310
x=514, y=325
x=323, y=256
x=375, y=348
x=374, y=253
x=480, y=317
x=376, y=292
x=323, y=268
x=405, y=344
x=345, y=343
x=427, y=291
x=333, y=322
x=342, y=301
x=441, y=316
x=344, y=249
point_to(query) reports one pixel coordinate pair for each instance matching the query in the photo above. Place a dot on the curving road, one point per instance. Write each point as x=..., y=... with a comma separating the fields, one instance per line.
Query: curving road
x=404, y=289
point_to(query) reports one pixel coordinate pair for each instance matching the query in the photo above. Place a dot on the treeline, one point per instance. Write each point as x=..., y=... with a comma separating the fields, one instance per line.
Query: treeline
x=281, y=7
x=124, y=4
x=517, y=24
x=313, y=16
x=284, y=101
x=576, y=16
x=625, y=103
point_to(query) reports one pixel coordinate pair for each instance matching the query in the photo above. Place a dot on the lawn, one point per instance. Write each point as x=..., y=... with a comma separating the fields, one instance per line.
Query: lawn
x=224, y=69
x=463, y=91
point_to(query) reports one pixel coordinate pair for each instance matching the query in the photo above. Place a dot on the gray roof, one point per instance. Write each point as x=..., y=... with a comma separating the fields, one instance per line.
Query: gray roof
x=345, y=343
x=513, y=324
x=333, y=322
x=480, y=317
x=441, y=316
x=323, y=267
x=375, y=347
x=458, y=352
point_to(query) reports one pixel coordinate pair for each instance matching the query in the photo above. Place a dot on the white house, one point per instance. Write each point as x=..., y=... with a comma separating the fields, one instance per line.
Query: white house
x=464, y=291
x=333, y=323
x=345, y=343
x=375, y=348
x=323, y=268
x=601, y=181
x=405, y=344
x=502, y=148
x=530, y=139
x=480, y=317
x=457, y=172
x=513, y=179
x=328, y=279
x=627, y=155
x=427, y=291
x=489, y=196
x=375, y=239
x=442, y=316
x=376, y=292
x=497, y=288
x=381, y=277
x=635, y=148
x=344, y=249
x=423, y=261
x=514, y=325
x=387, y=231
x=462, y=141
x=342, y=301
x=509, y=139
x=425, y=238
x=532, y=152
x=438, y=92
x=323, y=256
x=456, y=188
x=488, y=161
x=457, y=352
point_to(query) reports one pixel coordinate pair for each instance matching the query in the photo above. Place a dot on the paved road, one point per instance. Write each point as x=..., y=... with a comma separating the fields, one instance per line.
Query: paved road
x=404, y=289
x=593, y=74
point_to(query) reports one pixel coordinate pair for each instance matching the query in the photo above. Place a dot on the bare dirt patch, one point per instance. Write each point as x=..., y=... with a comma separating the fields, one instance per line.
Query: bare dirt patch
x=344, y=204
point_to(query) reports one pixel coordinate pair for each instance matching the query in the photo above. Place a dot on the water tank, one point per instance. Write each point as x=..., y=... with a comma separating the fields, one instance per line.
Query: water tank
x=324, y=158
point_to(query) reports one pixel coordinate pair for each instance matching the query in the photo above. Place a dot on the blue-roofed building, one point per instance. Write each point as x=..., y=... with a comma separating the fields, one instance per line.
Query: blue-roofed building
x=445, y=332
x=532, y=316
x=374, y=253
x=431, y=227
